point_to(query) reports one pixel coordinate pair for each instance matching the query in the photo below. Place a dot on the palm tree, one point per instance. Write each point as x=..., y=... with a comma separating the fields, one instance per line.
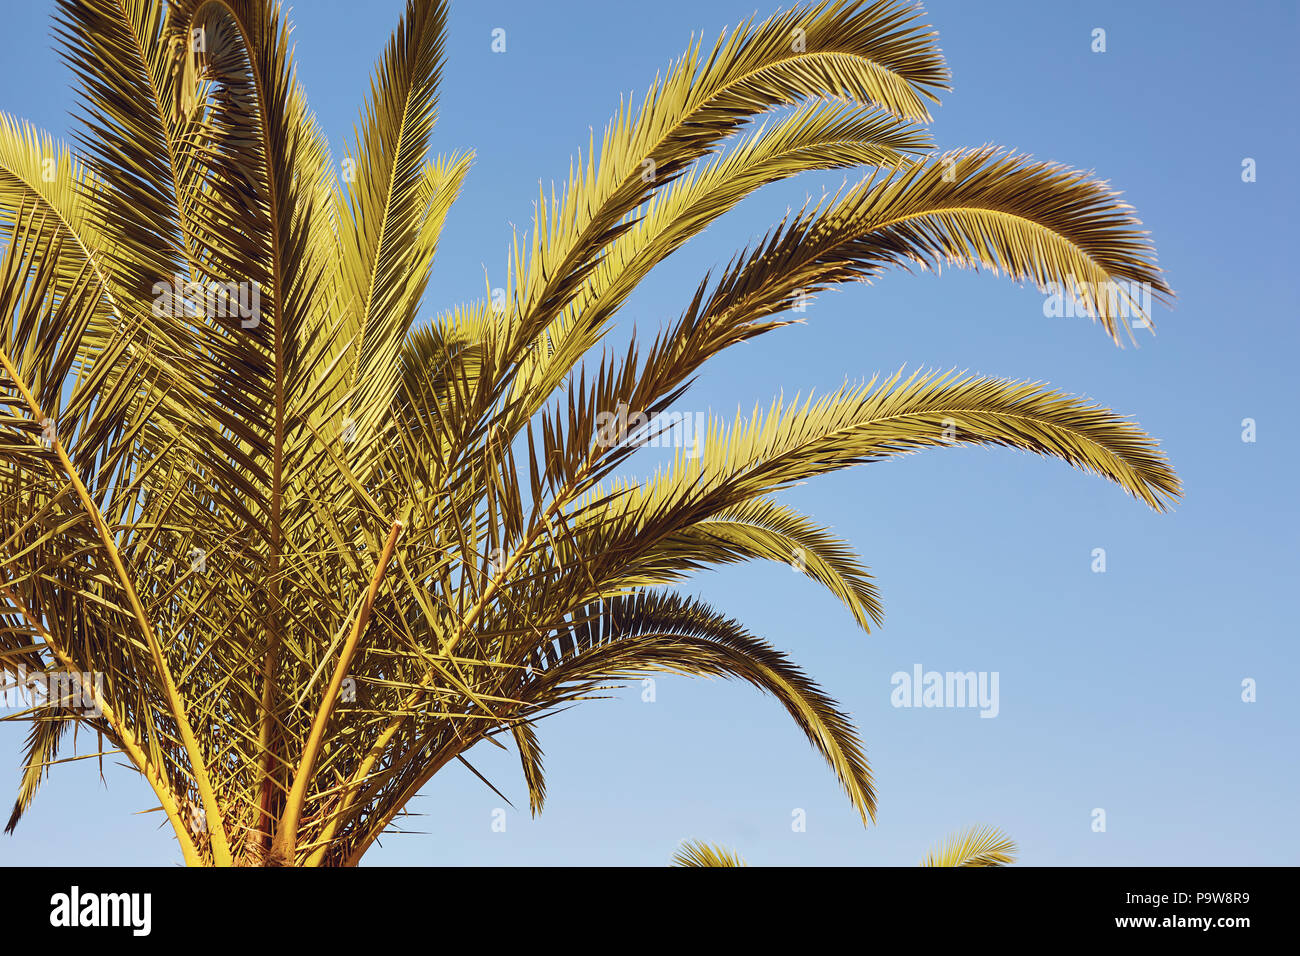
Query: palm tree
x=978, y=846
x=308, y=548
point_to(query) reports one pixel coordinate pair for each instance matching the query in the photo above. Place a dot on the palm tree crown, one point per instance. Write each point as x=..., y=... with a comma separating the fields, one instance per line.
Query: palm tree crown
x=314, y=546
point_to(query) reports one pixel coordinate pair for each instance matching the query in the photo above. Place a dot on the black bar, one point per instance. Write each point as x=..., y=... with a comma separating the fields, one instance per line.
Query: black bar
x=378, y=906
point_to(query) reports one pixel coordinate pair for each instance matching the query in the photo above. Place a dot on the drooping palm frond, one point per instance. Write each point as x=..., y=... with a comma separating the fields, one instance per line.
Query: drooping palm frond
x=530, y=759
x=652, y=632
x=761, y=528
x=858, y=425
x=44, y=736
x=821, y=135
x=869, y=54
x=626, y=536
x=978, y=846
x=1032, y=221
x=976, y=208
x=317, y=548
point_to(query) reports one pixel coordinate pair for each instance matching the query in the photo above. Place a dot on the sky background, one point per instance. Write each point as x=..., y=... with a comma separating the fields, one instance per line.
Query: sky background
x=1120, y=690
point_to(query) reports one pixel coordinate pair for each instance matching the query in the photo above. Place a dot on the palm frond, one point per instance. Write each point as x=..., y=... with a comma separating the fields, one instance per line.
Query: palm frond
x=800, y=439
x=761, y=528
x=651, y=632
x=818, y=136
x=394, y=200
x=43, y=738
x=699, y=853
x=35, y=169
x=877, y=53
x=978, y=846
x=1035, y=221
x=625, y=535
x=530, y=759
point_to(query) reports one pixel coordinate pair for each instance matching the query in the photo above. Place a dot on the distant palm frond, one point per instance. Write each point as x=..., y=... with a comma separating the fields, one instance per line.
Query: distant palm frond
x=978, y=846
x=697, y=853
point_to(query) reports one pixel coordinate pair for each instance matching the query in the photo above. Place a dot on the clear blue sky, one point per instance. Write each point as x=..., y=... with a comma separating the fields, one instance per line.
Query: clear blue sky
x=1119, y=690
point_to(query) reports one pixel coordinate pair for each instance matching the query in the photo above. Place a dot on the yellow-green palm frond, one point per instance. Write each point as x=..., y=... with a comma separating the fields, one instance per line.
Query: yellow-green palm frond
x=978, y=846
x=1035, y=221
x=530, y=760
x=820, y=135
x=1032, y=221
x=394, y=200
x=120, y=53
x=799, y=440
x=1041, y=222
x=650, y=631
x=759, y=528
x=443, y=396
x=628, y=535
x=70, y=602
x=877, y=53
x=41, y=749
x=699, y=853
x=260, y=201
x=140, y=160
x=37, y=169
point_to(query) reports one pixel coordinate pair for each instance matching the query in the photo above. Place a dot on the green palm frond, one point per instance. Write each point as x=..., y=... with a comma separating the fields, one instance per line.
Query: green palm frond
x=530, y=759
x=37, y=170
x=871, y=422
x=42, y=747
x=820, y=135
x=625, y=535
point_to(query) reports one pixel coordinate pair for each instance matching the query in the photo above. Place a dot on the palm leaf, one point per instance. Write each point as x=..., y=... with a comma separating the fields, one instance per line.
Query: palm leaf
x=663, y=632
x=761, y=528
x=699, y=853
x=867, y=54
x=390, y=229
x=978, y=846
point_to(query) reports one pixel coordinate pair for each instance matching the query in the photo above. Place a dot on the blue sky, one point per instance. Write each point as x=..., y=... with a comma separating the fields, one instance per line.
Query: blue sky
x=1118, y=690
